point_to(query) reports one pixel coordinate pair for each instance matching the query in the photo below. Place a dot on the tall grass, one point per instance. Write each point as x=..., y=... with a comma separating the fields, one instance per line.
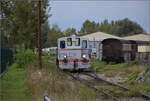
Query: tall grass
x=13, y=85
x=50, y=80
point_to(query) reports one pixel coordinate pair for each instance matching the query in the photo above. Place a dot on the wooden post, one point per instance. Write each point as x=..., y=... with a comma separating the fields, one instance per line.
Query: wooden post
x=39, y=35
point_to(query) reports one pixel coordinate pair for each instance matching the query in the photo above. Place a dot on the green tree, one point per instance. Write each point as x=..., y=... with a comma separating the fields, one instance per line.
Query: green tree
x=126, y=27
x=5, y=9
x=45, y=29
x=69, y=31
x=53, y=35
x=22, y=20
x=105, y=26
x=122, y=27
x=88, y=27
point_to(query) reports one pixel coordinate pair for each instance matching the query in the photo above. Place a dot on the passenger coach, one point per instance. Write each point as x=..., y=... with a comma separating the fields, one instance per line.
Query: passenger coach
x=73, y=53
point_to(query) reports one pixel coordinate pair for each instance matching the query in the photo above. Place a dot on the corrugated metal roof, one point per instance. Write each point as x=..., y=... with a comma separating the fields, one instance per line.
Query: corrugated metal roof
x=139, y=37
x=99, y=36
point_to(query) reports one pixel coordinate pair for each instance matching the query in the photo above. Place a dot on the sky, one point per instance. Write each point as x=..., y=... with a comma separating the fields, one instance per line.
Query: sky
x=68, y=14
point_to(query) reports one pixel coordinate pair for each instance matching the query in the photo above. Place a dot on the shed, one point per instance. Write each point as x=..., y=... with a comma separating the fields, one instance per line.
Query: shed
x=99, y=36
x=95, y=40
x=138, y=37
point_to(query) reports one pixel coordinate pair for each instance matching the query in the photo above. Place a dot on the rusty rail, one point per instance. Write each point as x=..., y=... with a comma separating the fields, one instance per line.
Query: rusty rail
x=88, y=85
x=120, y=86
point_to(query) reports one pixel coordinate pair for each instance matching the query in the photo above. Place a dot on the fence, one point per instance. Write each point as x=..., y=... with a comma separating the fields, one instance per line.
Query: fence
x=6, y=57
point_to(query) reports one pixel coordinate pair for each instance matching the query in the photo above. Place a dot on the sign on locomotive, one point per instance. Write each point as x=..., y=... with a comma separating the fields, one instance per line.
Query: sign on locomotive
x=73, y=53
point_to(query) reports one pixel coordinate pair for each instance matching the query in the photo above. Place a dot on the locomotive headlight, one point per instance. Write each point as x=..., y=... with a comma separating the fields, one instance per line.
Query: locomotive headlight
x=84, y=56
x=65, y=56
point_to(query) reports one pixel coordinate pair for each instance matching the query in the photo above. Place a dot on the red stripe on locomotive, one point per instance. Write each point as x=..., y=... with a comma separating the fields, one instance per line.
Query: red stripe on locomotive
x=72, y=60
x=69, y=49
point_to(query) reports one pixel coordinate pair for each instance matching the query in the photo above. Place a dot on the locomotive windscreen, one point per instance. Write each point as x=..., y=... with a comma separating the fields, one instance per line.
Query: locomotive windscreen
x=62, y=44
x=84, y=44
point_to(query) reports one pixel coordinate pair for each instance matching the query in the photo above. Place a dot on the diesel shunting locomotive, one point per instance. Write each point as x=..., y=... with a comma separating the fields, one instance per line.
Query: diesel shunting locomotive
x=73, y=53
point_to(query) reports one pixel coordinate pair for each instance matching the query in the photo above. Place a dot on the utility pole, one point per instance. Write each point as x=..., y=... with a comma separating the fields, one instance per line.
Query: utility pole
x=39, y=35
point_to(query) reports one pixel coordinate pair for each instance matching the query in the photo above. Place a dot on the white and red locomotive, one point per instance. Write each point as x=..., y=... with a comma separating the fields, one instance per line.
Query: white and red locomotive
x=73, y=53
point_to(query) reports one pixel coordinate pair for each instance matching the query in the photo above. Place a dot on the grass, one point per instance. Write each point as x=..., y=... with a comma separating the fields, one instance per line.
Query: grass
x=24, y=84
x=113, y=69
x=143, y=86
x=125, y=70
x=31, y=84
x=56, y=85
x=13, y=86
x=118, y=93
x=86, y=94
x=126, y=94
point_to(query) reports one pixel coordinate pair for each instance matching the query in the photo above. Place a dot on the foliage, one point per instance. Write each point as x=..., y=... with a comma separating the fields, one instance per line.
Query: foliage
x=25, y=57
x=19, y=25
x=20, y=22
x=122, y=27
x=69, y=32
x=126, y=27
x=53, y=35
x=45, y=29
x=88, y=27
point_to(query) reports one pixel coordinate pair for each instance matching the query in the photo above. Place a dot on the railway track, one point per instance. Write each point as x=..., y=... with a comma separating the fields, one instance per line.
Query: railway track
x=85, y=82
x=145, y=96
x=100, y=81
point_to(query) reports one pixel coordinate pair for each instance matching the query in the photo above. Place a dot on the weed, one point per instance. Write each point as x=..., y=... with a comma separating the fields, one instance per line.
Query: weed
x=25, y=57
x=126, y=94
x=132, y=76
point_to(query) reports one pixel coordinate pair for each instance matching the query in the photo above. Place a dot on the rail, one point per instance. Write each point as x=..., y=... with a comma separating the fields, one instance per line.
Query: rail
x=93, y=87
x=120, y=86
x=106, y=91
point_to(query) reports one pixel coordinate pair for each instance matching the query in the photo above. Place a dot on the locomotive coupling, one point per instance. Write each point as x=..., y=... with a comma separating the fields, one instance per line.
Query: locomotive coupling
x=85, y=60
x=65, y=60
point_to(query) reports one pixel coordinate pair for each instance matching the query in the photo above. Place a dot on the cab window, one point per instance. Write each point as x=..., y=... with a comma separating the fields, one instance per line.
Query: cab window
x=69, y=42
x=84, y=44
x=62, y=44
x=77, y=42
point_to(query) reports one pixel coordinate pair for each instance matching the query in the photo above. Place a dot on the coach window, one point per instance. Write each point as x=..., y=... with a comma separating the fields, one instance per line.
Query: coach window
x=77, y=42
x=84, y=44
x=69, y=42
x=62, y=44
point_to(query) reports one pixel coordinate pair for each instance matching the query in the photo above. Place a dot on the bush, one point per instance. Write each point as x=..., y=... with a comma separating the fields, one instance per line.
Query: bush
x=25, y=57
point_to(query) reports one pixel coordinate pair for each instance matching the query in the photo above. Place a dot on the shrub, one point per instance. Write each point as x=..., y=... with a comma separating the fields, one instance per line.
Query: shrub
x=25, y=57
x=45, y=53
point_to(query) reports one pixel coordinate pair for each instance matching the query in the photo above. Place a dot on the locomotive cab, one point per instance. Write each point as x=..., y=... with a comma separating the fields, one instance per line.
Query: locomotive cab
x=73, y=53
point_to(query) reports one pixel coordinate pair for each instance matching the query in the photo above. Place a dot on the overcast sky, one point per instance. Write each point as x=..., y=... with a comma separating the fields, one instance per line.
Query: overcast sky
x=69, y=14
